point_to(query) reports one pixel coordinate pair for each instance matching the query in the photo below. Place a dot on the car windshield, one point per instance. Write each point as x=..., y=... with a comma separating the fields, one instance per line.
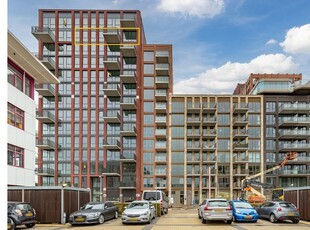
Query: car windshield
x=217, y=203
x=151, y=196
x=287, y=205
x=138, y=205
x=242, y=205
x=93, y=206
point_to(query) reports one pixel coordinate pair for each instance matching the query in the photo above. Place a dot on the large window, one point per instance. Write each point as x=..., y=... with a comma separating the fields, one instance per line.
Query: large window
x=15, y=156
x=21, y=81
x=15, y=116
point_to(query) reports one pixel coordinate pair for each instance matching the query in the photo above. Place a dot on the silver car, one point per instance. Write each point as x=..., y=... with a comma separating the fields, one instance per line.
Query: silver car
x=139, y=212
x=215, y=209
x=278, y=210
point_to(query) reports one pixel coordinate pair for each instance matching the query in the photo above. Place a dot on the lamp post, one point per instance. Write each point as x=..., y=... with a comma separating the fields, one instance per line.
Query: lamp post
x=100, y=185
x=63, y=214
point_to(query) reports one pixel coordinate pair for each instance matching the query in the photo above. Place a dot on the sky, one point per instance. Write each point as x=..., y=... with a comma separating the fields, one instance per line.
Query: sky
x=216, y=43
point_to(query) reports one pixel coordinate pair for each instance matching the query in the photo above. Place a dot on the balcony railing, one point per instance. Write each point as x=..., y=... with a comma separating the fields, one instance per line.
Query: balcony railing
x=46, y=90
x=45, y=172
x=112, y=144
x=127, y=184
x=128, y=157
x=241, y=172
x=44, y=34
x=159, y=158
x=47, y=61
x=45, y=144
x=160, y=172
x=162, y=81
x=45, y=116
x=240, y=108
x=292, y=133
x=160, y=145
x=295, y=146
x=115, y=171
x=296, y=107
x=293, y=172
x=294, y=120
x=237, y=159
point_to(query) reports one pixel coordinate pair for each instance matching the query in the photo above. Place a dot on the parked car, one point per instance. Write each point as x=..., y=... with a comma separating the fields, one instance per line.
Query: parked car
x=157, y=196
x=94, y=212
x=21, y=213
x=139, y=212
x=243, y=211
x=278, y=210
x=215, y=209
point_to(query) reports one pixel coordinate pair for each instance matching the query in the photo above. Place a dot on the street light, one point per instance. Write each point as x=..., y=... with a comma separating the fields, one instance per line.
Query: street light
x=100, y=185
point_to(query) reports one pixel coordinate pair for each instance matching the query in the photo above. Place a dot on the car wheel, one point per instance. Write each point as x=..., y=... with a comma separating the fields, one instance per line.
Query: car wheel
x=116, y=215
x=150, y=219
x=203, y=220
x=101, y=219
x=273, y=218
x=228, y=221
x=13, y=224
x=29, y=225
x=296, y=221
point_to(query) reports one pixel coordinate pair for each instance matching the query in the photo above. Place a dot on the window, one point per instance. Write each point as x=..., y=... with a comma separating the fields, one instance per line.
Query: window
x=149, y=69
x=15, y=116
x=148, y=56
x=15, y=156
x=21, y=81
x=270, y=107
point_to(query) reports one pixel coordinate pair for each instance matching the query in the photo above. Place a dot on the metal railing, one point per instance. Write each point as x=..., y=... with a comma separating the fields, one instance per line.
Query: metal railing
x=45, y=113
x=37, y=29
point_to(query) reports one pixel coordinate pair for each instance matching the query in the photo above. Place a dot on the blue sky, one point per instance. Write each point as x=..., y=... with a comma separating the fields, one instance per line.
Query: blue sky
x=216, y=43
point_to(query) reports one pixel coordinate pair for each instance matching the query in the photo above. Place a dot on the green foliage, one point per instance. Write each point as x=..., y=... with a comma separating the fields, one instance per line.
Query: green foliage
x=157, y=208
x=121, y=207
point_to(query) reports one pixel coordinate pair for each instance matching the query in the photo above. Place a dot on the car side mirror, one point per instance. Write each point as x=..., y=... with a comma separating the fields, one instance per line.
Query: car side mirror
x=125, y=208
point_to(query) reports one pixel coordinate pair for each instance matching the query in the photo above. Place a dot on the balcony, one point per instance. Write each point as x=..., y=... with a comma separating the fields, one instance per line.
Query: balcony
x=128, y=77
x=112, y=144
x=47, y=61
x=294, y=147
x=209, y=121
x=112, y=36
x=161, y=159
x=240, y=160
x=193, y=173
x=128, y=131
x=112, y=63
x=128, y=158
x=240, y=121
x=240, y=172
x=128, y=51
x=160, y=145
x=294, y=108
x=300, y=159
x=193, y=108
x=45, y=172
x=162, y=82
x=45, y=90
x=240, y=108
x=161, y=95
x=240, y=134
x=43, y=34
x=224, y=185
x=194, y=135
x=294, y=172
x=112, y=116
x=294, y=134
x=193, y=147
x=111, y=90
x=161, y=120
x=160, y=172
x=209, y=148
x=213, y=172
x=161, y=107
x=128, y=103
x=128, y=22
x=240, y=146
x=127, y=185
x=193, y=121
x=45, y=144
x=294, y=121
x=45, y=117
x=113, y=171
x=162, y=69
x=162, y=56
x=161, y=133
x=208, y=108
x=209, y=159
x=194, y=160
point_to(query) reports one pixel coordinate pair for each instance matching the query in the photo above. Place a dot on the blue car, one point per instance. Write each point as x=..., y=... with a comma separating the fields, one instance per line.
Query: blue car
x=243, y=211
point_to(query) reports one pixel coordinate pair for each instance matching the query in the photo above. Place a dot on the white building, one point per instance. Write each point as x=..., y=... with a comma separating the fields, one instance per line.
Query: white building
x=24, y=71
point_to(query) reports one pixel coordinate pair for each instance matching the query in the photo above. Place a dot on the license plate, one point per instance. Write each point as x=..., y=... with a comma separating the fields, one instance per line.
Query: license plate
x=29, y=214
x=133, y=219
x=79, y=219
x=248, y=217
x=291, y=214
x=218, y=210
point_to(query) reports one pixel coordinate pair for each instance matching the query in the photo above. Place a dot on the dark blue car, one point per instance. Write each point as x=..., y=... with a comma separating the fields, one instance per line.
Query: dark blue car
x=243, y=211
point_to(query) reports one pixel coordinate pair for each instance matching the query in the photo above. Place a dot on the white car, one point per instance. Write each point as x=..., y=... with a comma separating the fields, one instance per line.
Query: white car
x=139, y=212
x=215, y=209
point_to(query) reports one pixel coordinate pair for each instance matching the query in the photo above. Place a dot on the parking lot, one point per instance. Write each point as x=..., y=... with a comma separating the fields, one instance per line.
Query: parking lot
x=182, y=219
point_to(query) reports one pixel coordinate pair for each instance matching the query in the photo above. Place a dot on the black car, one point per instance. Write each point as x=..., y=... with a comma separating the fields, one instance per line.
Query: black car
x=21, y=213
x=94, y=212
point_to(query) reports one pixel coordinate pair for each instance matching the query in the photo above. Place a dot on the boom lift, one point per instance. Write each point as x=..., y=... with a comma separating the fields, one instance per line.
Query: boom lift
x=247, y=183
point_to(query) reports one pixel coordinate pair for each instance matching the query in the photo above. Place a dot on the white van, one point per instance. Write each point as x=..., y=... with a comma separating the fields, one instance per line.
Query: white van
x=157, y=196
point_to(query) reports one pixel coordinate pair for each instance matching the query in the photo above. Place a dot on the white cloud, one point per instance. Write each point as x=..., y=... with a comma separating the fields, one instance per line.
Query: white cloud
x=225, y=78
x=198, y=8
x=297, y=40
x=271, y=42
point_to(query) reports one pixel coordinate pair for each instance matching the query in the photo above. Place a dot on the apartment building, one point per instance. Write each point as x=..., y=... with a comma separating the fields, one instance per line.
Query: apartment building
x=113, y=89
x=286, y=125
x=216, y=141
x=24, y=70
